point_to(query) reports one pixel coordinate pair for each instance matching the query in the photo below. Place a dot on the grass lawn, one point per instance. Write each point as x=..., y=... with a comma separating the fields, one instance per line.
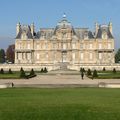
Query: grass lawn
x=107, y=75
x=60, y=104
x=15, y=75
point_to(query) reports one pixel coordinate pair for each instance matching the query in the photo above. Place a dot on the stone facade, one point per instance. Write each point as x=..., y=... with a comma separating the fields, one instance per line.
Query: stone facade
x=64, y=46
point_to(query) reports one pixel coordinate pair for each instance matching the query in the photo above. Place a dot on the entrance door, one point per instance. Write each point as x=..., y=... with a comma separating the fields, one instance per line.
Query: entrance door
x=64, y=57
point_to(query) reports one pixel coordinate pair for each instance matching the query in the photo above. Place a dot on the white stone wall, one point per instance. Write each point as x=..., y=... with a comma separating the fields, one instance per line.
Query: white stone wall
x=37, y=67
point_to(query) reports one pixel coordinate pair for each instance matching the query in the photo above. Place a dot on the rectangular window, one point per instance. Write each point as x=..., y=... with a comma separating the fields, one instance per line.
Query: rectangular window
x=100, y=46
x=38, y=56
x=64, y=46
x=46, y=46
x=109, y=46
x=38, y=46
x=73, y=56
x=28, y=56
x=91, y=56
x=47, y=55
x=100, y=56
x=54, y=45
x=73, y=45
x=28, y=46
x=19, y=46
x=81, y=56
x=81, y=46
x=91, y=46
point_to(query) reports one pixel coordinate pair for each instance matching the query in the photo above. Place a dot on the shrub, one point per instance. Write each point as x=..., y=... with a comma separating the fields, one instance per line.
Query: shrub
x=31, y=75
x=104, y=69
x=95, y=74
x=82, y=70
x=1, y=71
x=114, y=70
x=32, y=72
x=45, y=70
x=22, y=73
x=10, y=71
x=42, y=70
x=89, y=72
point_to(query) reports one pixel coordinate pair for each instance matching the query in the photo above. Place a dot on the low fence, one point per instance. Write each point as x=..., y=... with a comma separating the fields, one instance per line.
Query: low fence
x=38, y=67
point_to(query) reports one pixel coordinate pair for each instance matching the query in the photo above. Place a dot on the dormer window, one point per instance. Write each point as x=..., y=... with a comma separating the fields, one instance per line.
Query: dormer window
x=104, y=35
x=24, y=36
x=86, y=36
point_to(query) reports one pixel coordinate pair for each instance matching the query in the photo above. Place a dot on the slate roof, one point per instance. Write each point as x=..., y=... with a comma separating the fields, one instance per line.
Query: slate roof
x=26, y=30
x=103, y=29
x=48, y=33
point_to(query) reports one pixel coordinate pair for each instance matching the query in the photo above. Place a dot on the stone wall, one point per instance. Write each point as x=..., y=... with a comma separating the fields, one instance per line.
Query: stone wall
x=93, y=66
x=28, y=67
x=37, y=67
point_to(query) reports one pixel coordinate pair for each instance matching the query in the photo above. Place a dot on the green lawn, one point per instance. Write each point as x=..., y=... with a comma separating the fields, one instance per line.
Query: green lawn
x=107, y=75
x=15, y=75
x=60, y=104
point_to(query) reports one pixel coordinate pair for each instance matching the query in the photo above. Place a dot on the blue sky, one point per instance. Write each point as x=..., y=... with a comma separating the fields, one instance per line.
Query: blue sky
x=46, y=13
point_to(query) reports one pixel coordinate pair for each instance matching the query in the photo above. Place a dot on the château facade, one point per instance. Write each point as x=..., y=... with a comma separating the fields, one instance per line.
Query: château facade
x=64, y=46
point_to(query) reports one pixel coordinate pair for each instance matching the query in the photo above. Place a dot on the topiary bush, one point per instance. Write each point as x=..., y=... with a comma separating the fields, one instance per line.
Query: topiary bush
x=82, y=70
x=114, y=70
x=22, y=73
x=1, y=71
x=89, y=72
x=42, y=70
x=45, y=70
x=31, y=75
x=95, y=74
x=104, y=69
x=32, y=72
x=10, y=71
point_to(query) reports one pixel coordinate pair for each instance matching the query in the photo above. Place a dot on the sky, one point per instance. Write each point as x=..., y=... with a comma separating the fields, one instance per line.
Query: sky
x=46, y=13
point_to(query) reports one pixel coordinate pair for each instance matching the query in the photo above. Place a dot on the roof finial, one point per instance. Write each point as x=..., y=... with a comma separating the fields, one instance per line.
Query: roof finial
x=64, y=15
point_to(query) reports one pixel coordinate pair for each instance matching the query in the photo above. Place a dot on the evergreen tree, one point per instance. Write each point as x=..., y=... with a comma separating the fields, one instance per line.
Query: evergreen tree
x=1, y=71
x=114, y=70
x=32, y=72
x=104, y=69
x=82, y=70
x=2, y=56
x=95, y=74
x=42, y=70
x=10, y=53
x=89, y=72
x=10, y=71
x=45, y=70
x=22, y=73
x=117, y=56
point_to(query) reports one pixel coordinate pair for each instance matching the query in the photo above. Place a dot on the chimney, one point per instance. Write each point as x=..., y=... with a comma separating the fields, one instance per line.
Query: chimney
x=18, y=28
x=96, y=28
x=110, y=27
x=32, y=29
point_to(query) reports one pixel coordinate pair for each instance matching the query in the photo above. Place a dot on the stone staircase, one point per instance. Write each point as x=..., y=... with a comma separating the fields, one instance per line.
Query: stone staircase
x=63, y=66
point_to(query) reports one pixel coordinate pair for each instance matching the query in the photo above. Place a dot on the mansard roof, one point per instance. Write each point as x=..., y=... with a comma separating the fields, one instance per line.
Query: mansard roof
x=81, y=32
x=25, y=29
x=48, y=33
x=104, y=29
